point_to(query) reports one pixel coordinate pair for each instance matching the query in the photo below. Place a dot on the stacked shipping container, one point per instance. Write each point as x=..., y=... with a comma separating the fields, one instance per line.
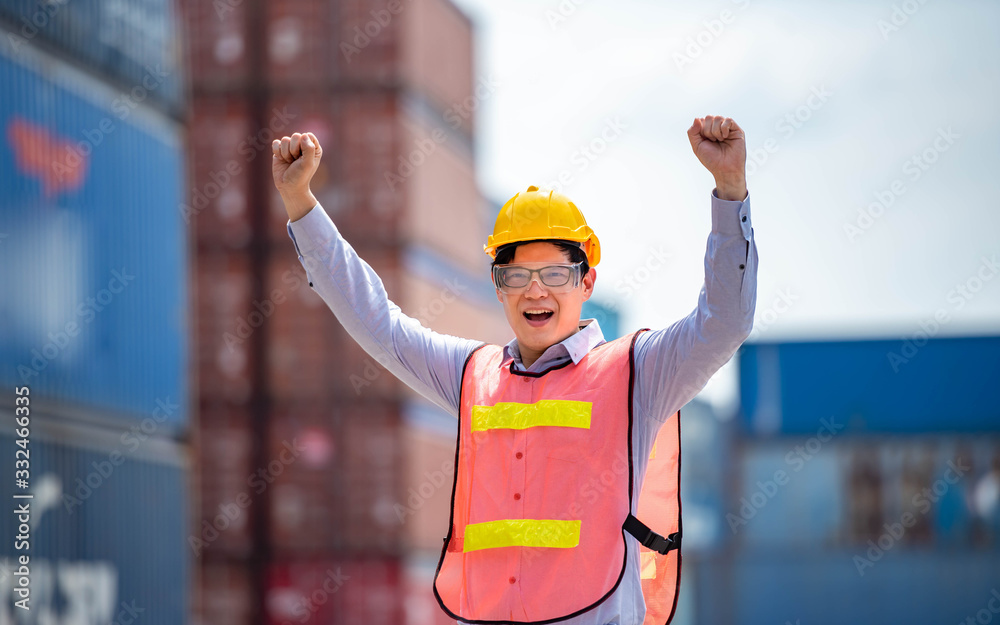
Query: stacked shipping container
x=93, y=322
x=852, y=473
x=308, y=447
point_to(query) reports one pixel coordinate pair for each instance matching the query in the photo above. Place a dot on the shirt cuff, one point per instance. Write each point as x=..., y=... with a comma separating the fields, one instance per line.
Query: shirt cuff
x=313, y=231
x=731, y=216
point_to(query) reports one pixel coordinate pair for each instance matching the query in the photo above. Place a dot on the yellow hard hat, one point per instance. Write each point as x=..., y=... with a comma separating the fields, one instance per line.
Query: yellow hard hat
x=542, y=214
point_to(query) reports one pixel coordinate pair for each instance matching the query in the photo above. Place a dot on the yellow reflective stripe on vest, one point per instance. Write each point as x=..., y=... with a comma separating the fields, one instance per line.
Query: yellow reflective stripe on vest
x=514, y=416
x=647, y=564
x=522, y=533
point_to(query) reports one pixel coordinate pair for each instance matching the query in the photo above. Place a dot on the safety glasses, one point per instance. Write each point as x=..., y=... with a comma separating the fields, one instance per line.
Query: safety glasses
x=558, y=278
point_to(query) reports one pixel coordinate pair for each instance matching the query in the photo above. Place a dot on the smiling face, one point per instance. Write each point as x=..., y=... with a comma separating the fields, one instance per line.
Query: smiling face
x=539, y=317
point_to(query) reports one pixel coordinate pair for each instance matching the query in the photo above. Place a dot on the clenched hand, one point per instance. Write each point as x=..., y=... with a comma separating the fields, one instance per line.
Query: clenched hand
x=720, y=145
x=294, y=161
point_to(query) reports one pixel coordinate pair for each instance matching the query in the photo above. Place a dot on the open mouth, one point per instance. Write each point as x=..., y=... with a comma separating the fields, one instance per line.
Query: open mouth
x=537, y=317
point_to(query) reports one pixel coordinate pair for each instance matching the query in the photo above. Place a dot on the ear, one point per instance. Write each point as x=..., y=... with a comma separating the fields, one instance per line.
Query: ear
x=588, y=283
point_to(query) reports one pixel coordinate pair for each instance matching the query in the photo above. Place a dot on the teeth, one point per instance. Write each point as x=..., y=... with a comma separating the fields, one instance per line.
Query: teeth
x=537, y=312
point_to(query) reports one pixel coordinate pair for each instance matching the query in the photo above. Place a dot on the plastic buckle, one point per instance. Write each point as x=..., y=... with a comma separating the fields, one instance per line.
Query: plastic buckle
x=650, y=539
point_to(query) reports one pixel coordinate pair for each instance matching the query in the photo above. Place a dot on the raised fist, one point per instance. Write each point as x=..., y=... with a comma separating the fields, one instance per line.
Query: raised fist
x=720, y=145
x=294, y=161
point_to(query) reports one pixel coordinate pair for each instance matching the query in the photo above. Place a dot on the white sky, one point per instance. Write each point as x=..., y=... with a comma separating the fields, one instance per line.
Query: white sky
x=560, y=83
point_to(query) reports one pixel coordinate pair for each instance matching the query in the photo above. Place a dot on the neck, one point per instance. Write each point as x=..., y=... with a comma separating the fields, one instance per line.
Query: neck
x=529, y=356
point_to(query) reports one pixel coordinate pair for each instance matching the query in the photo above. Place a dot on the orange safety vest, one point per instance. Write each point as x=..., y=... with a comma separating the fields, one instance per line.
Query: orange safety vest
x=542, y=496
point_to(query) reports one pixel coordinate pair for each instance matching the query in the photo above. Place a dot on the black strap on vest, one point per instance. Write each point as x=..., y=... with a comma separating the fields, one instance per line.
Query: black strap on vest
x=649, y=538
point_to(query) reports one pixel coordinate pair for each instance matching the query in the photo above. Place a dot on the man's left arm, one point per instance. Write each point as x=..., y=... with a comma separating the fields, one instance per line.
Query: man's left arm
x=675, y=363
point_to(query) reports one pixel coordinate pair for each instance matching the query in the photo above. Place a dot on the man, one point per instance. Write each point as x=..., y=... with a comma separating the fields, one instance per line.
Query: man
x=558, y=427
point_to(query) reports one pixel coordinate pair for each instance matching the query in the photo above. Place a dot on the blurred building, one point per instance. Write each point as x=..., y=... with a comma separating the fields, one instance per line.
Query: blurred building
x=324, y=482
x=94, y=330
x=607, y=314
x=859, y=482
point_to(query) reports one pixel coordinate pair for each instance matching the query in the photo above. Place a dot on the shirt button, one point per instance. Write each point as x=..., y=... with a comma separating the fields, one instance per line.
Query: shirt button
x=744, y=218
x=517, y=496
x=512, y=580
x=742, y=265
x=518, y=455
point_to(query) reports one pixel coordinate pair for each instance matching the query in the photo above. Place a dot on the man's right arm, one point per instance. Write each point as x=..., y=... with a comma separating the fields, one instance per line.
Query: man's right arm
x=426, y=361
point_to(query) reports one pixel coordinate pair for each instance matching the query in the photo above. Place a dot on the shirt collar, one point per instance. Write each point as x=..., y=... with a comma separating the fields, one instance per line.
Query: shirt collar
x=575, y=346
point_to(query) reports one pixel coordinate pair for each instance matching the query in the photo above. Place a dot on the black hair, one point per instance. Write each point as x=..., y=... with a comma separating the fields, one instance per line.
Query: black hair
x=505, y=253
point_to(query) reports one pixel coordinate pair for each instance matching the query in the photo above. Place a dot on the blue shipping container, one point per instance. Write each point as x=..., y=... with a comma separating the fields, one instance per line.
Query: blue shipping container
x=106, y=533
x=93, y=248
x=938, y=385
x=133, y=43
x=860, y=530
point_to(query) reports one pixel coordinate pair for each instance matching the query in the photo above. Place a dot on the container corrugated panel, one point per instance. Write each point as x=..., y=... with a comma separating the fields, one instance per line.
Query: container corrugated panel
x=225, y=594
x=216, y=39
x=302, y=47
x=106, y=523
x=227, y=145
x=873, y=385
x=224, y=284
x=310, y=43
x=337, y=590
x=134, y=43
x=374, y=41
x=424, y=509
x=307, y=497
x=435, y=172
x=834, y=490
x=224, y=524
x=358, y=133
x=375, y=210
x=231, y=149
x=336, y=474
x=303, y=334
x=317, y=112
x=94, y=252
x=222, y=148
x=436, y=58
x=907, y=527
x=418, y=580
x=810, y=588
x=370, y=466
x=330, y=475
x=360, y=377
